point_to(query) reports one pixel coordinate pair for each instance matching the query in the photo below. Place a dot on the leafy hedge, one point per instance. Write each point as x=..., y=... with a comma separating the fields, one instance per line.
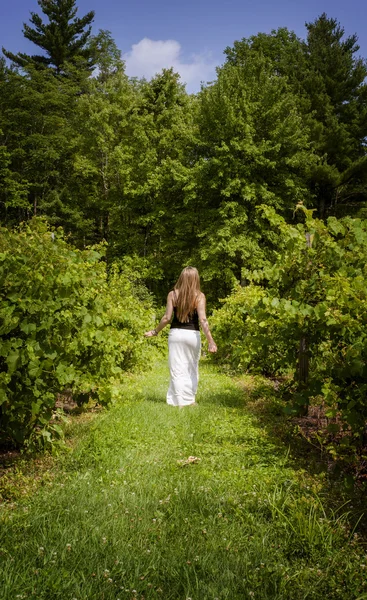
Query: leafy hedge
x=315, y=292
x=64, y=324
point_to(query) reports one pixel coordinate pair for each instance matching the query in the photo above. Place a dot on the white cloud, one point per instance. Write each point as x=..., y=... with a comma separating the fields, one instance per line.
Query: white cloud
x=149, y=57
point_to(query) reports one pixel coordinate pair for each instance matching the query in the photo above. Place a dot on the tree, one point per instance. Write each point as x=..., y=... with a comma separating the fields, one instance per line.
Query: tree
x=107, y=55
x=37, y=141
x=254, y=149
x=335, y=85
x=63, y=39
x=284, y=51
x=13, y=189
x=104, y=129
x=150, y=219
x=328, y=81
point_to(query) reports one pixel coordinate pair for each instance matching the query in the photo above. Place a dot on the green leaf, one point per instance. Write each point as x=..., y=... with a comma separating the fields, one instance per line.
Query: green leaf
x=12, y=361
x=28, y=327
x=3, y=396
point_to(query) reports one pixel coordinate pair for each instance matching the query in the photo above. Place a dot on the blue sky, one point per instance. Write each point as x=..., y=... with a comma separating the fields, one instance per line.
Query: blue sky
x=188, y=35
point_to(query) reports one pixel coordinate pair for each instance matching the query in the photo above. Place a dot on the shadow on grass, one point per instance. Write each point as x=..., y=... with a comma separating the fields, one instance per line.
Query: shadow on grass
x=231, y=398
x=259, y=399
x=264, y=403
x=158, y=398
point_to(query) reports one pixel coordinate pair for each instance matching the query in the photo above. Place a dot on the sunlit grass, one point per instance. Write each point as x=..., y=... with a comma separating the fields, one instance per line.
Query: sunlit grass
x=126, y=515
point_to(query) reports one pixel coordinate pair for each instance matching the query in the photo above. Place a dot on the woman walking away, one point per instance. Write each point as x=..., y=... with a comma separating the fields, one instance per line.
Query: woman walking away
x=187, y=304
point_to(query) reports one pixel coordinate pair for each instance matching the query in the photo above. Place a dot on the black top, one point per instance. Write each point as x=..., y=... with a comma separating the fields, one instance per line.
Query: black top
x=193, y=320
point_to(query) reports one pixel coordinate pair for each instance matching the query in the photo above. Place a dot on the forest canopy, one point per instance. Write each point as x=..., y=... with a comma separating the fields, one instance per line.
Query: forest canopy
x=171, y=178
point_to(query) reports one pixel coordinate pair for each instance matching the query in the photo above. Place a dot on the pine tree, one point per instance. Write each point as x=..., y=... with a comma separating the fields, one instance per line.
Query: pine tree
x=36, y=143
x=336, y=87
x=328, y=79
x=64, y=39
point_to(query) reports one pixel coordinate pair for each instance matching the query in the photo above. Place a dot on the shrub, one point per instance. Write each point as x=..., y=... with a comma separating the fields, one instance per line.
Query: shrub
x=64, y=324
x=314, y=292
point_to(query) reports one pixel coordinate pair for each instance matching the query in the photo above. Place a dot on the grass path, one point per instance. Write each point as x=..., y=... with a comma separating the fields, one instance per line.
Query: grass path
x=126, y=515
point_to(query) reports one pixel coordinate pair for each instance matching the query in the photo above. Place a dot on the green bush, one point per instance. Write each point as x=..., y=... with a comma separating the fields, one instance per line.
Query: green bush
x=315, y=291
x=64, y=324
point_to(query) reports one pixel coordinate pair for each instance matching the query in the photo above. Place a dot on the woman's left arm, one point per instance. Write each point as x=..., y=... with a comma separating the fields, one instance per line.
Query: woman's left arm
x=201, y=308
x=165, y=319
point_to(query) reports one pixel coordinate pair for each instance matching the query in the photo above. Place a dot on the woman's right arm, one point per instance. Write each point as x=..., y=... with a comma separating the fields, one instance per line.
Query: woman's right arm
x=165, y=319
x=201, y=308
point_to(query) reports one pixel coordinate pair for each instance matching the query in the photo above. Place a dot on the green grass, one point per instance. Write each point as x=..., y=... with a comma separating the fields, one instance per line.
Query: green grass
x=124, y=516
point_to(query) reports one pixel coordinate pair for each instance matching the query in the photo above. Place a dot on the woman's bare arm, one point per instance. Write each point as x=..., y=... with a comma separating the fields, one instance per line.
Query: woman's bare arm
x=201, y=308
x=165, y=319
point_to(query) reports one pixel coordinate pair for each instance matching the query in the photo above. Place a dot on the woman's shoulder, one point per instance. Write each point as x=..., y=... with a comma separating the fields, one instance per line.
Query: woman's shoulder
x=200, y=297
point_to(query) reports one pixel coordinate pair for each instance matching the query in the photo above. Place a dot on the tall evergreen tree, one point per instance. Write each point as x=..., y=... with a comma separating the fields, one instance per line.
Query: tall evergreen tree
x=335, y=85
x=64, y=39
x=36, y=143
x=328, y=79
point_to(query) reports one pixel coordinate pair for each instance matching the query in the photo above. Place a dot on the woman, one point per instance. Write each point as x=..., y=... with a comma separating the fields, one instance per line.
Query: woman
x=187, y=304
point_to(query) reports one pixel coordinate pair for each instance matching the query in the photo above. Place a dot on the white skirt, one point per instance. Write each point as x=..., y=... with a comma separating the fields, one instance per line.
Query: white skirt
x=184, y=347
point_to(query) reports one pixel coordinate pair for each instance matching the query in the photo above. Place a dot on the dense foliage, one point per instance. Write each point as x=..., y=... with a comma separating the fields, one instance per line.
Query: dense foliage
x=63, y=325
x=329, y=83
x=314, y=294
x=171, y=178
x=168, y=179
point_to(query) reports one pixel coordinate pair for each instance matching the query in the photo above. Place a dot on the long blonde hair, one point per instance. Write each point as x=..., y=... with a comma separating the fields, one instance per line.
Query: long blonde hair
x=188, y=286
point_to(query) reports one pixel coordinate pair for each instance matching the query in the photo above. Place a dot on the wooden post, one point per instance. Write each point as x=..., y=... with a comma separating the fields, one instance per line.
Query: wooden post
x=303, y=363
